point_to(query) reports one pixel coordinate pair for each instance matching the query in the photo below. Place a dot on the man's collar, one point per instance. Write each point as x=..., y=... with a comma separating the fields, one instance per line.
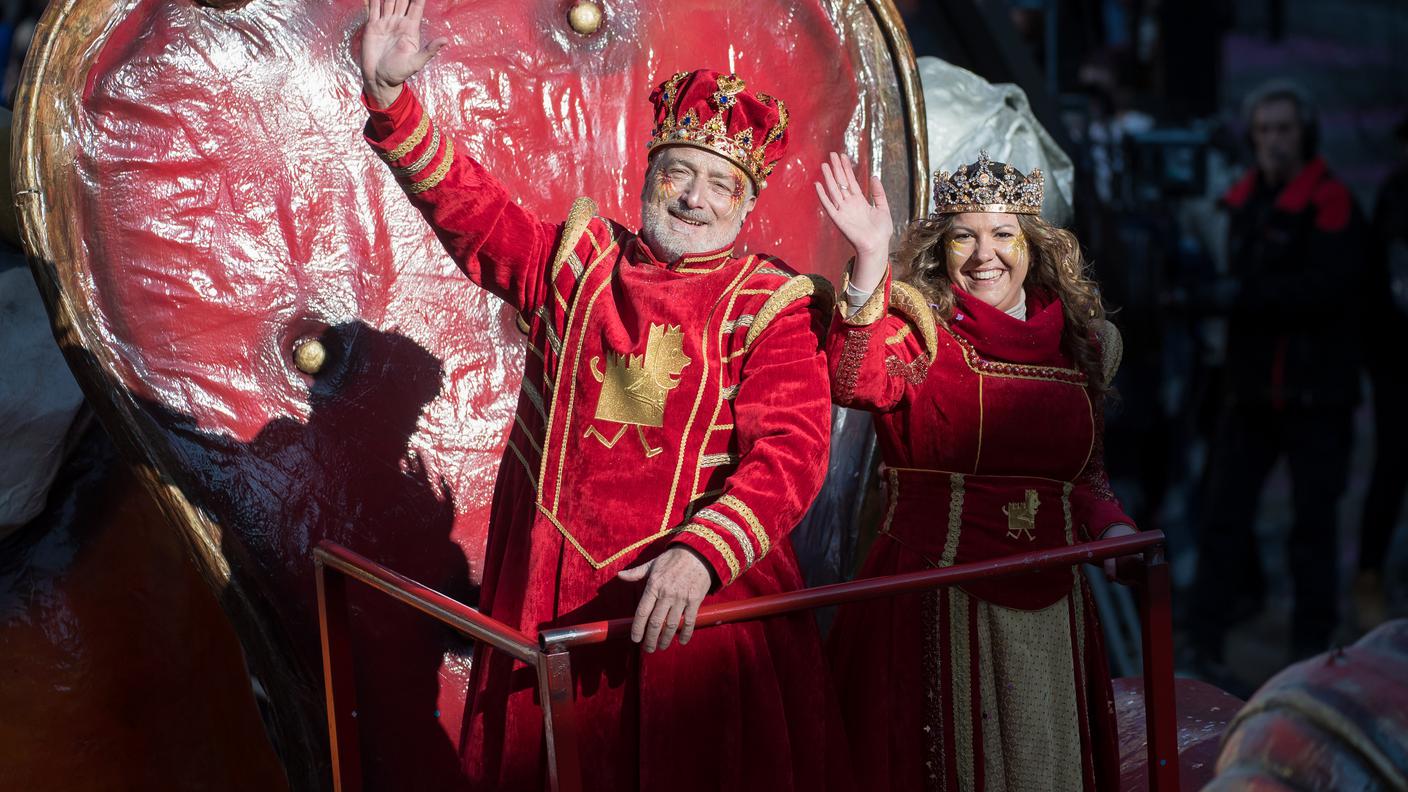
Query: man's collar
x=690, y=263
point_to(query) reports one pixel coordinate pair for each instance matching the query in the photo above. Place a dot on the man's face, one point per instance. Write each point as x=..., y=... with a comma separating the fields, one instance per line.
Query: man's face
x=1276, y=137
x=694, y=201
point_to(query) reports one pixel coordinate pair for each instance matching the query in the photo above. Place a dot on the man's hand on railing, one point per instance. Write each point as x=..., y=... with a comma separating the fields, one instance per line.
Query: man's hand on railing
x=675, y=584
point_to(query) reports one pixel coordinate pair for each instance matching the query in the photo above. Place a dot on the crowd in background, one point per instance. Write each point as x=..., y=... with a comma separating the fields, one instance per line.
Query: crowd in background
x=1247, y=216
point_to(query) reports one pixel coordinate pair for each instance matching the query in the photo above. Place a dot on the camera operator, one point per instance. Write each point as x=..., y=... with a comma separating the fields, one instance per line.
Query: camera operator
x=1293, y=300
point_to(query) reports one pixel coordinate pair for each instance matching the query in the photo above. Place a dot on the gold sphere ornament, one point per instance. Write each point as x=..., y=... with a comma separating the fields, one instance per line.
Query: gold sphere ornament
x=585, y=17
x=310, y=356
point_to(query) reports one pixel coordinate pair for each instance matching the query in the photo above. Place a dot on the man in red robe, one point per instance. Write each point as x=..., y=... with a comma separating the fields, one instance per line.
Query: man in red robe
x=672, y=428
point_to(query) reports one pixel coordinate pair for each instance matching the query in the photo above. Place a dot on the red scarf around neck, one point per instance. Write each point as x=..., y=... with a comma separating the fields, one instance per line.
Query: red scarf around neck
x=997, y=336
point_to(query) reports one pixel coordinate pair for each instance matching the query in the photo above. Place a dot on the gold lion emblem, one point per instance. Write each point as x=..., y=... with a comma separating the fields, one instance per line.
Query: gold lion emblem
x=634, y=387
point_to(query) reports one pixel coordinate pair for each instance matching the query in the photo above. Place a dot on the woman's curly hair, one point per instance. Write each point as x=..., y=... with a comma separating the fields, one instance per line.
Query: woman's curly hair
x=1056, y=264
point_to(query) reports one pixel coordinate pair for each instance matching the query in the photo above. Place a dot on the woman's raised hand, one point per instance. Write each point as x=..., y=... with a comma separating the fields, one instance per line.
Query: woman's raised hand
x=391, y=50
x=865, y=222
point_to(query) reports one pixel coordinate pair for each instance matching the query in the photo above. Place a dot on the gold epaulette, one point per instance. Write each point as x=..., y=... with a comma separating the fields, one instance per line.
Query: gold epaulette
x=578, y=218
x=812, y=287
x=909, y=302
x=1111, y=348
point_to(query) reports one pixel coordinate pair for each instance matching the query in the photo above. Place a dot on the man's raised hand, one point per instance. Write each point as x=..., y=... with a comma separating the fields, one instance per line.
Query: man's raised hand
x=391, y=50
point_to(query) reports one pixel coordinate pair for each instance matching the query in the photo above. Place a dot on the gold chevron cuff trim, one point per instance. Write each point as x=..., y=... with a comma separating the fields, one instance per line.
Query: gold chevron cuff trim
x=423, y=160
x=717, y=460
x=764, y=544
x=710, y=536
x=734, y=530
x=730, y=393
x=409, y=144
x=439, y=174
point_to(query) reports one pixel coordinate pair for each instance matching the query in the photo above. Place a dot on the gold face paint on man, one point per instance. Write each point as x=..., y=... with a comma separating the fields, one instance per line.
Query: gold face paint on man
x=693, y=202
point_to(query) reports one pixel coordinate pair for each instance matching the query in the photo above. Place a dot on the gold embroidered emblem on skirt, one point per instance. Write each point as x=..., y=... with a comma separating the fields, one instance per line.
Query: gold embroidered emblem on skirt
x=1021, y=517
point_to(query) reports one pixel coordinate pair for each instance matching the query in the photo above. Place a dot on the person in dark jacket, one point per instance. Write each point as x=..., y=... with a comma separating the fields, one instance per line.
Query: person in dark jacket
x=1293, y=302
x=1386, y=323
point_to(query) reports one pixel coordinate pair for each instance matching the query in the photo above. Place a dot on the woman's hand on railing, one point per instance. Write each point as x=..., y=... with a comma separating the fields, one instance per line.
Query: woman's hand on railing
x=676, y=582
x=1120, y=570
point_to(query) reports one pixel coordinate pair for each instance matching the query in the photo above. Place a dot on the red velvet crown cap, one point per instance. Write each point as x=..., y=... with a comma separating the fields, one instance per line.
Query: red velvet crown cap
x=717, y=113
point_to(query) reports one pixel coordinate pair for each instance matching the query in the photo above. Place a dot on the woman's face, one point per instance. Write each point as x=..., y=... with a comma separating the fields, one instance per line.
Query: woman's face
x=986, y=255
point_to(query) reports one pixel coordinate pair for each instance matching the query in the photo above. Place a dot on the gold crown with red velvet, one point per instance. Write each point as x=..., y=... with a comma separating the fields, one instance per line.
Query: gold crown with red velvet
x=717, y=113
x=987, y=186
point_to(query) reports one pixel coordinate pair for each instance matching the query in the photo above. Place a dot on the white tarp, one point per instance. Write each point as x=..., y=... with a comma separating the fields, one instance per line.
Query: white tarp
x=38, y=400
x=967, y=113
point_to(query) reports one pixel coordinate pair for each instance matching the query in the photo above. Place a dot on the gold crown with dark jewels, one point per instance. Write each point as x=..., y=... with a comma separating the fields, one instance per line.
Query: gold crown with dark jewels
x=987, y=186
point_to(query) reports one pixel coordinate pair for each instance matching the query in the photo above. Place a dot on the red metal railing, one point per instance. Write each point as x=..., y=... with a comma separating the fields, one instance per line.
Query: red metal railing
x=550, y=655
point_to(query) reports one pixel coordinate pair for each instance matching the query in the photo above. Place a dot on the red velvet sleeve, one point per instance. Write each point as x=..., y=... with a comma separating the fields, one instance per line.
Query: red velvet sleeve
x=497, y=243
x=1093, y=502
x=875, y=354
x=782, y=421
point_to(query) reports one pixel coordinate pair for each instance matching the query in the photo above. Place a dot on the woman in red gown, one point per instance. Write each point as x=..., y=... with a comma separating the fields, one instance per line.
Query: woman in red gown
x=985, y=363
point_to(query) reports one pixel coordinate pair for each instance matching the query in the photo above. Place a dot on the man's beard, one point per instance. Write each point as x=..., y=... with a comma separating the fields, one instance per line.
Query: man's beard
x=669, y=245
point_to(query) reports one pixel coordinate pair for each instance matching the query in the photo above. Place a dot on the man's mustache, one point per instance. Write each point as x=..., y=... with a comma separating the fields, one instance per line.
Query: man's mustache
x=694, y=216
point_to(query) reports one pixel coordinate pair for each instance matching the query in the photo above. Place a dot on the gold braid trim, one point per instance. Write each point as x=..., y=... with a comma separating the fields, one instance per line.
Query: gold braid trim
x=909, y=303
x=955, y=519
x=719, y=544
x=733, y=529
x=1111, y=348
x=435, y=178
x=409, y=144
x=752, y=519
x=582, y=211
x=422, y=161
x=818, y=289
x=874, y=307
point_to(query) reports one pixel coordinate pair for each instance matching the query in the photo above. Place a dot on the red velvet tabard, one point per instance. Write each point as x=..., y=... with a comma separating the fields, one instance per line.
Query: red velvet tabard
x=1005, y=409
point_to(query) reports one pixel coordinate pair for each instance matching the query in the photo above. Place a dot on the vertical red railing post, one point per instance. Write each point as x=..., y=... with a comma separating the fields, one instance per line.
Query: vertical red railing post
x=1160, y=716
x=339, y=682
x=559, y=719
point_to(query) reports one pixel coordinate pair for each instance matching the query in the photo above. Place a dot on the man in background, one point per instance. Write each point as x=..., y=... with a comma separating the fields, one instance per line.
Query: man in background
x=1293, y=301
